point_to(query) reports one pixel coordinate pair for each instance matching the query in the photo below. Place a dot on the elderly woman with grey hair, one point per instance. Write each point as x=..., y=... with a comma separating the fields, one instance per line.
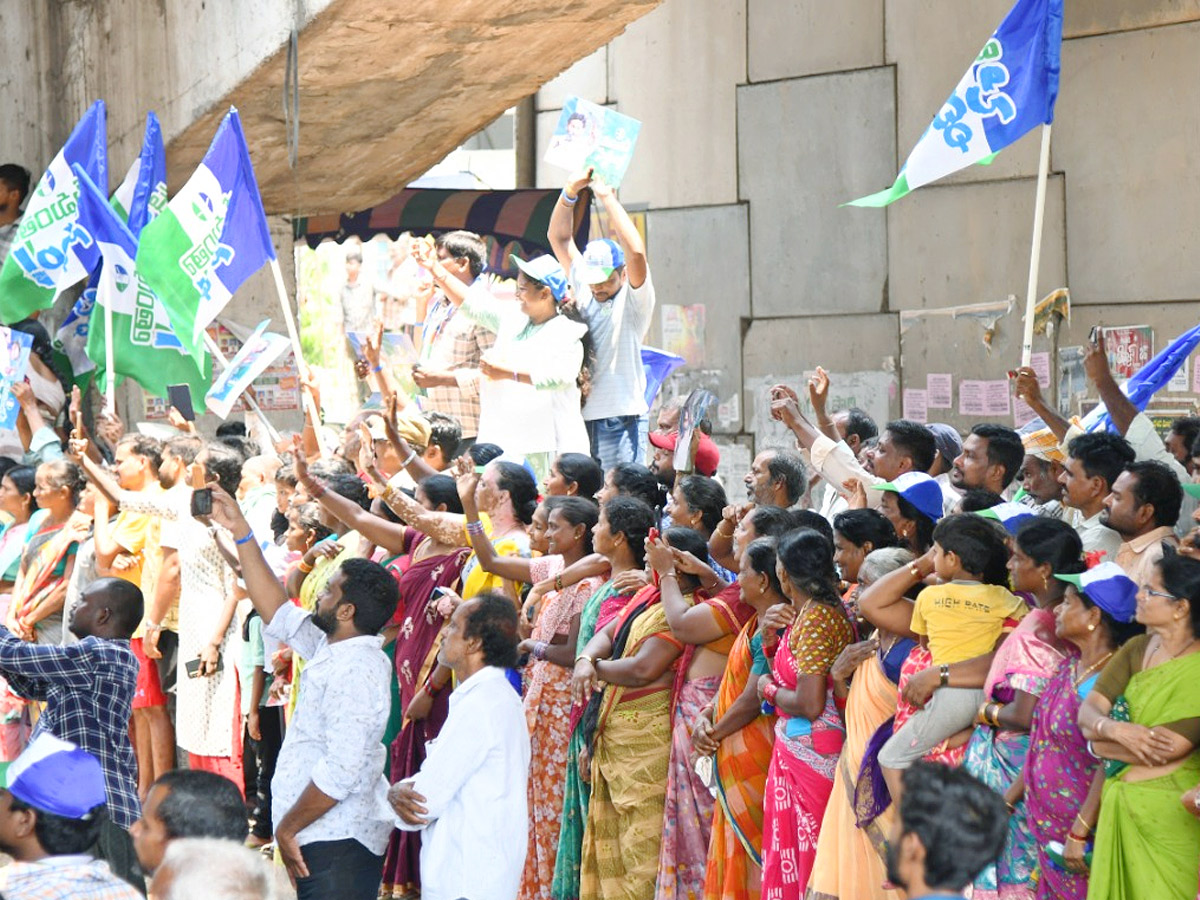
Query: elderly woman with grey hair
x=212, y=869
x=851, y=860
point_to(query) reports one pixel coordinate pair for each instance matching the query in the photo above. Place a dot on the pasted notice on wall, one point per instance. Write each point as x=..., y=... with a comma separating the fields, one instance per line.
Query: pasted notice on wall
x=683, y=331
x=941, y=391
x=916, y=405
x=869, y=391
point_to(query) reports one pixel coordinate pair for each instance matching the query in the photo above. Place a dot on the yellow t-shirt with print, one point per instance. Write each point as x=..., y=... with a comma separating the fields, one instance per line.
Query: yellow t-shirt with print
x=963, y=619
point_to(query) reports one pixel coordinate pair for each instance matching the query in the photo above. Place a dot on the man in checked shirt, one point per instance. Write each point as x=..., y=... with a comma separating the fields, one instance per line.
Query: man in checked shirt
x=88, y=691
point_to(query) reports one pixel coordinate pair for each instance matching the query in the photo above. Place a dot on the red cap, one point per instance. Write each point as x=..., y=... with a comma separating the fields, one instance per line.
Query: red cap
x=707, y=454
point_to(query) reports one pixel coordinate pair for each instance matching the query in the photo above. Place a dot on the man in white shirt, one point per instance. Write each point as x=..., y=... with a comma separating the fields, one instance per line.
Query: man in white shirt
x=613, y=292
x=470, y=796
x=330, y=810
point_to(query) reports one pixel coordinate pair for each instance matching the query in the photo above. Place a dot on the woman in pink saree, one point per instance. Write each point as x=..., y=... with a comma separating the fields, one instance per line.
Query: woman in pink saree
x=809, y=733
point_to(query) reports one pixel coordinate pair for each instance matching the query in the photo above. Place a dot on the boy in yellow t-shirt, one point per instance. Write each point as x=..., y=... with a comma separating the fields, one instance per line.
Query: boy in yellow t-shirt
x=962, y=618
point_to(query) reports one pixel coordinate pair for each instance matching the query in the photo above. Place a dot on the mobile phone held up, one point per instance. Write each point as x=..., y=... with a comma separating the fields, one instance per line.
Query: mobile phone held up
x=201, y=494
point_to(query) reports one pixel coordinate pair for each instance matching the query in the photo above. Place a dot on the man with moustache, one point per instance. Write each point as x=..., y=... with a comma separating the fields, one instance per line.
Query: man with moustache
x=330, y=812
x=951, y=827
x=776, y=478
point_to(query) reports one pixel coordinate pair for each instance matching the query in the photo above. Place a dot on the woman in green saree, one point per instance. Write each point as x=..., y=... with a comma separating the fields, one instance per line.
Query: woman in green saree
x=1146, y=843
x=620, y=537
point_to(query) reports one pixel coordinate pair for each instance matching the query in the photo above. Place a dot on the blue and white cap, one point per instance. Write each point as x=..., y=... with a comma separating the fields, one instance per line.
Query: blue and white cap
x=55, y=776
x=918, y=489
x=600, y=259
x=1107, y=586
x=1011, y=515
x=545, y=270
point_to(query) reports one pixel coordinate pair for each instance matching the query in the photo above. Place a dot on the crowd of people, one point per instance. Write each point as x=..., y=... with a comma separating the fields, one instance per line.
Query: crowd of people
x=488, y=643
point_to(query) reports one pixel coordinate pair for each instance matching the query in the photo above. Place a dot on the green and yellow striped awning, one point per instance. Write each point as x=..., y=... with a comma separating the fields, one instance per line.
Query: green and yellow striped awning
x=510, y=221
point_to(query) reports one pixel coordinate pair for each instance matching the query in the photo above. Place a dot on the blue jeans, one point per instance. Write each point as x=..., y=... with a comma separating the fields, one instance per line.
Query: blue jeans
x=619, y=439
x=339, y=870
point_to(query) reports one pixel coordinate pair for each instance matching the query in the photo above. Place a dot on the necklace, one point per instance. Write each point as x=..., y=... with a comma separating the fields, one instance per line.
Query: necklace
x=1162, y=645
x=1080, y=679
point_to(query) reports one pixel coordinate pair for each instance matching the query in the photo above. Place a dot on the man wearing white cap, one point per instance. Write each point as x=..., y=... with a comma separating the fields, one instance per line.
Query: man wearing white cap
x=613, y=292
x=51, y=810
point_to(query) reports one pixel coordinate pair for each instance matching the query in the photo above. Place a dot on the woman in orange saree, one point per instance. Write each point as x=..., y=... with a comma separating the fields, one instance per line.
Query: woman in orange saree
x=740, y=735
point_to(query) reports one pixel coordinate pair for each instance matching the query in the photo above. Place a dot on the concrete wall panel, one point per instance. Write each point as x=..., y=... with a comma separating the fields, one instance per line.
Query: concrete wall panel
x=788, y=38
x=932, y=42
x=806, y=145
x=700, y=256
x=962, y=244
x=863, y=370
x=676, y=70
x=1127, y=142
x=1100, y=16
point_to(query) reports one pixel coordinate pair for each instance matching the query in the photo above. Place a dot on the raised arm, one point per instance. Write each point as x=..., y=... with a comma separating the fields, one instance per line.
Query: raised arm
x=1028, y=389
x=561, y=230
x=377, y=529
x=1119, y=407
x=423, y=253
x=513, y=568
x=264, y=589
x=691, y=624
x=884, y=603
x=625, y=232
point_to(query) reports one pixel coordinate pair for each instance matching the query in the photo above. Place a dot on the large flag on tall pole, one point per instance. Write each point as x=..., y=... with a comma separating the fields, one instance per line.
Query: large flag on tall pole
x=1009, y=90
x=141, y=196
x=211, y=237
x=49, y=252
x=144, y=345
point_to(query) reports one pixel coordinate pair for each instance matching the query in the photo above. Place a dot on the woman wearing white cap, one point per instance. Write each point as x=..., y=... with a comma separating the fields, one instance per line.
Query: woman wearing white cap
x=530, y=402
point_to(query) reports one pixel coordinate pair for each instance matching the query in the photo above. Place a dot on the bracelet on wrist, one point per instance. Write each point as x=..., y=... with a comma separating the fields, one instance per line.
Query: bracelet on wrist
x=582, y=656
x=670, y=574
x=914, y=571
x=245, y=540
x=1081, y=839
x=567, y=199
x=378, y=368
x=539, y=650
x=943, y=675
x=305, y=567
x=558, y=582
x=475, y=527
x=770, y=692
x=408, y=459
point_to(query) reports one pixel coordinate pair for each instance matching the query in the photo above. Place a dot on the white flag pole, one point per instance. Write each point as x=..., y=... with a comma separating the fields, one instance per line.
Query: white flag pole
x=294, y=334
x=110, y=376
x=215, y=350
x=1035, y=255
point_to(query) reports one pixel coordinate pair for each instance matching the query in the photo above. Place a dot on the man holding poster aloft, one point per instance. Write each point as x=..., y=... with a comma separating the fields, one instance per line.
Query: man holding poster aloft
x=612, y=290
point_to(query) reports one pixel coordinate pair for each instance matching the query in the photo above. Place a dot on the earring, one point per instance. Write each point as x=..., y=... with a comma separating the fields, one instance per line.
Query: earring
x=1045, y=582
x=1092, y=627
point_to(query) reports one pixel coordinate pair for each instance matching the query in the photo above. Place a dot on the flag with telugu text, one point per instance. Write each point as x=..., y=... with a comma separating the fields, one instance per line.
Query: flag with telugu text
x=1009, y=90
x=211, y=237
x=145, y=347
x=141, y=196
x=49, y=253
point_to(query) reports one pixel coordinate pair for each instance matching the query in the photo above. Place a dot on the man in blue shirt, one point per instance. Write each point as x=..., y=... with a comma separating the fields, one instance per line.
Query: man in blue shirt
x=951, y=828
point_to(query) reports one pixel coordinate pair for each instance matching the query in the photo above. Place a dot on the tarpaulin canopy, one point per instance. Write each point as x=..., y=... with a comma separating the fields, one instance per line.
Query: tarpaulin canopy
x=510, y=221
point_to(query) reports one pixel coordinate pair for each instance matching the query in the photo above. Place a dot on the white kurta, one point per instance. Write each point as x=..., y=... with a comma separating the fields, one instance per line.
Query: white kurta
x=543, y=417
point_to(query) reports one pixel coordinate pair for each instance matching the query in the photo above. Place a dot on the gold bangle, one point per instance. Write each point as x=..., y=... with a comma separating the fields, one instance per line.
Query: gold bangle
x=913, y=570
x=303, y=568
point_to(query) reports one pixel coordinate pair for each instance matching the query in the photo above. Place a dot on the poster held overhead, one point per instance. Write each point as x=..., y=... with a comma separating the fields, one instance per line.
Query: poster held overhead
x=592, y=136
x=259, y=350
